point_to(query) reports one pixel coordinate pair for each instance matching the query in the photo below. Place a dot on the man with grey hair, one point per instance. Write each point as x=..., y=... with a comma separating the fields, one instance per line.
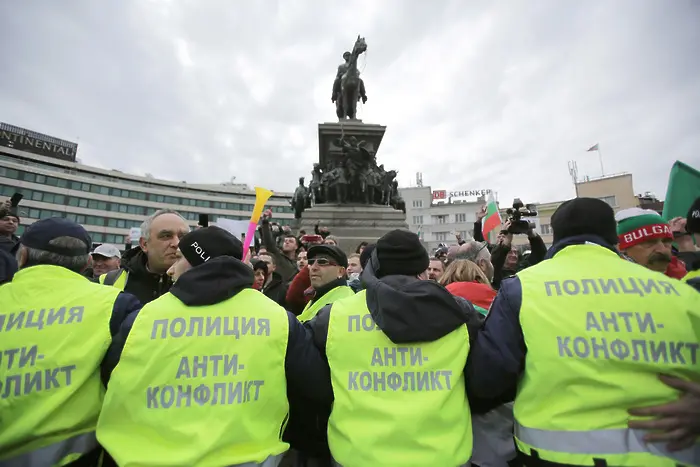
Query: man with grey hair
x=476, y=252
x=56, y=326
x=143, y=270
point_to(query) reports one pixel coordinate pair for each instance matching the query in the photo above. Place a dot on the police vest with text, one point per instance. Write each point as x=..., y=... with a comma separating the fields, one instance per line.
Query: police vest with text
x=55, y=332
x=312, y=308
x=599, y=331
x=395, y=402
x=207, y=382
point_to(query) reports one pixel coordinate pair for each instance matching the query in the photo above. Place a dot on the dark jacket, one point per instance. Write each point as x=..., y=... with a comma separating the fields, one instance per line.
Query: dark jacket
x=220, y=279
x=276, y=289
x=303, y=429
x=497, y=358
x=408, y=311
x=8, y=266
x=142, y=283
x=286, y=267
x=8, y=244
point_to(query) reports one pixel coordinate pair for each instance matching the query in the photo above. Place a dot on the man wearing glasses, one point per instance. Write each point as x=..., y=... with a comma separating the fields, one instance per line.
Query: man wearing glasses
x=327, y=267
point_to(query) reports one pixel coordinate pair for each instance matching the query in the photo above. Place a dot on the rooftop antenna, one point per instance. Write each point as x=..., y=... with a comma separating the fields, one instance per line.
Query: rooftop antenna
x=419, y=179
x=573, y=171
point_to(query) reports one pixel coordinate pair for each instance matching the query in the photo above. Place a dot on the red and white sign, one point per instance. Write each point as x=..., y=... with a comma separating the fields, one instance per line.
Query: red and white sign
x=439, y=194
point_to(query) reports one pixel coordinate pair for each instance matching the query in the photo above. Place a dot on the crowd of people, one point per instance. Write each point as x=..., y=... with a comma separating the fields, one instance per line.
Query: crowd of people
x=188, y=351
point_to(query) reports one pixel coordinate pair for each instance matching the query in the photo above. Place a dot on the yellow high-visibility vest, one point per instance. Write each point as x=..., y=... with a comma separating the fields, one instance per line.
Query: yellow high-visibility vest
x=395, y=405
x=312, y=308
x=208, y=383
x=599, y=330
x=54, y=332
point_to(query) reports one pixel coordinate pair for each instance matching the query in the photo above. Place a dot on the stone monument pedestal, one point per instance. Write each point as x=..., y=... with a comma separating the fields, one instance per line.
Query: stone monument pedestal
x=353, y=223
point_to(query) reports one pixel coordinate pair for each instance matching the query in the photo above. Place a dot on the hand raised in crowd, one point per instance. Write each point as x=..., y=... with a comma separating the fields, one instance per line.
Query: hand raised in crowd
x=677, y=422
x=267, y=214
x=506, y=240
x=482, y=213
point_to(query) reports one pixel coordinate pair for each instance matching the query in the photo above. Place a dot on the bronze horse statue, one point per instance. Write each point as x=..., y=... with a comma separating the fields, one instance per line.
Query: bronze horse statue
x=350, y=81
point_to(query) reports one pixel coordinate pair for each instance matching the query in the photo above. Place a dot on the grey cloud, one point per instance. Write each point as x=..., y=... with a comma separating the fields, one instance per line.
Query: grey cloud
x=474, y=96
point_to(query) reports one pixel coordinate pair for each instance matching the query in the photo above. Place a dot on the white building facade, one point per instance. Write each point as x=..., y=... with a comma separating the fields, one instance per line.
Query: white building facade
x=109, y=203
x=437, y=220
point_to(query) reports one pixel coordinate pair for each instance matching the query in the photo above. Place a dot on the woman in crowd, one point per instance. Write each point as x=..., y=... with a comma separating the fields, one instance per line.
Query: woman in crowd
x=465, y=279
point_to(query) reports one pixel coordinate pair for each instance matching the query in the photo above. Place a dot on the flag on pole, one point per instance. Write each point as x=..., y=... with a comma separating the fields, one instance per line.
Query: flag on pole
x=593, y=148
x=493, y=217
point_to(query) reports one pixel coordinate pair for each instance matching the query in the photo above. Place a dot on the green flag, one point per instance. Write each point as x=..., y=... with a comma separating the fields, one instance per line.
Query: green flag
x=683, y=189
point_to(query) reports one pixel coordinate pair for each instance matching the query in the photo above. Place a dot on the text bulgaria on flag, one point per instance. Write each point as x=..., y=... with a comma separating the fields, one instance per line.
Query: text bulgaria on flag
x=493, y=217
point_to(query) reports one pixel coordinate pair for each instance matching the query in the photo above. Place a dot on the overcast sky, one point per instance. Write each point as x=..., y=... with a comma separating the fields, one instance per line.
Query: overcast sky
x=475, y=95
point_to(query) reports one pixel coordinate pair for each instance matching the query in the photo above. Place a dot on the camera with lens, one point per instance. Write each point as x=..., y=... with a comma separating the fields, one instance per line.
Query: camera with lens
x=518, y=225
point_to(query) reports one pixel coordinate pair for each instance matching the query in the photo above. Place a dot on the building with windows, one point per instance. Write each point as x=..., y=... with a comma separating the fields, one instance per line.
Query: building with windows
x=109, y=202
x=435, y=216
x=437, y=221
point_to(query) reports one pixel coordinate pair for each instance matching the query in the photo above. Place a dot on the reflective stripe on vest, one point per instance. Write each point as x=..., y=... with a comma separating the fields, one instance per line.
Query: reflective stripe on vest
x=603, y=442
x=381, y=389
x=312, y=308
x=212, y=375
x=598, y=331
x=54, y=454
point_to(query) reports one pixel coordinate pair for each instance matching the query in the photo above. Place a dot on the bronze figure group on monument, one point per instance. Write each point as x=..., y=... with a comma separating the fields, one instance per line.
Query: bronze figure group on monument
x=347, y=173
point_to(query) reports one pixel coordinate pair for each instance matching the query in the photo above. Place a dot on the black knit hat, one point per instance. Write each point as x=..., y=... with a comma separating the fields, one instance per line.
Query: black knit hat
x=692, y=224
x=400, y=252
x=200, y=245
x=584, y=216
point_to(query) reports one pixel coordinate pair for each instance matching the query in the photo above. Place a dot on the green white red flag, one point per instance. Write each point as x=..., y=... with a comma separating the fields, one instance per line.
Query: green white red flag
x=493, y=217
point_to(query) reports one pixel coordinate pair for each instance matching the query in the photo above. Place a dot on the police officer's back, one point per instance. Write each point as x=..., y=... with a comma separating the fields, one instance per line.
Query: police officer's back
x=583, y=335
x=56, y=326
x=202, y=376
x=397, y=352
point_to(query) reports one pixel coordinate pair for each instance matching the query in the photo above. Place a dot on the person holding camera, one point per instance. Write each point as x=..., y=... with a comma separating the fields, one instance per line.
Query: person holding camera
x=514, y=259
x=9, y=221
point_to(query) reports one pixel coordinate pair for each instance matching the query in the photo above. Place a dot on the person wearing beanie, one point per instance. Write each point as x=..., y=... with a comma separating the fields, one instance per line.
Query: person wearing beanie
x=397, y=351
x=9, y=221
x=206, y=368
x=56, y=326
x=646, y=239
x=586, y=319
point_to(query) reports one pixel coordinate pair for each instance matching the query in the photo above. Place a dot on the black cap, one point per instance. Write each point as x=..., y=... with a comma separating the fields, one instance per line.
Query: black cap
x=584, y=216
x=692, y=224
x=259, y=264
x=400, y=252
x=331, y=251
x=200, y=245
x=40, y=233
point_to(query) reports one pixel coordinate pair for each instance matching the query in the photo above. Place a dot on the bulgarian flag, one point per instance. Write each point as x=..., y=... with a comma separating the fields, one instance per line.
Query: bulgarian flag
x=493, y=217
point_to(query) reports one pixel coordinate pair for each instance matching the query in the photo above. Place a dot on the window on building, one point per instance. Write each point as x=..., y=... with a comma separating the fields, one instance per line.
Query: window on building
x=417, y=203
x=417, y=220
x=545, y=229
x=441, y=236
x=460, y=217
x=611, y=200
x=440, y=219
